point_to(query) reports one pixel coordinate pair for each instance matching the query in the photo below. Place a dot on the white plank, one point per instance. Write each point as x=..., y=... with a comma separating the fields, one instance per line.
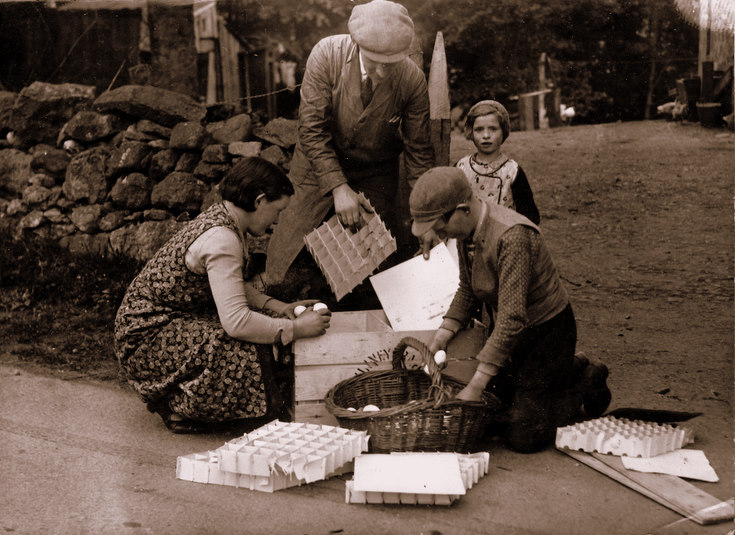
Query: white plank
x=312, y=383
x=670, y=491
x=350, y=347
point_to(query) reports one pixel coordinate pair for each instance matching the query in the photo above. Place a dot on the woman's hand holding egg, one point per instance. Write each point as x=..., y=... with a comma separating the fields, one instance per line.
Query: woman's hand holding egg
x=295, y=309
x=311, y=322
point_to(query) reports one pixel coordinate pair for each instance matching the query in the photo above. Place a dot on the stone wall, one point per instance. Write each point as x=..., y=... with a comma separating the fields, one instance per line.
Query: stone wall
x=122, y=171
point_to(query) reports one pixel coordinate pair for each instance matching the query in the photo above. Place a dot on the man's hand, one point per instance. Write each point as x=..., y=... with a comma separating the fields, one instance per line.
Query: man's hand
x=482, y=376
x=428, y=242
x=348, y=206
x=470, y=393
x=440, y=340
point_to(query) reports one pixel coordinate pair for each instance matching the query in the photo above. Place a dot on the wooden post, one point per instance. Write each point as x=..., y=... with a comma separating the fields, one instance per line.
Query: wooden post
x=211, y=76
x=527, y=111
x=553, y=107
x=439, y=108
x=206, y=33
x=270, y=100
x=542, y=71
x=248, y=91
x=542, y=118
x=229, y=54
x=706, y=91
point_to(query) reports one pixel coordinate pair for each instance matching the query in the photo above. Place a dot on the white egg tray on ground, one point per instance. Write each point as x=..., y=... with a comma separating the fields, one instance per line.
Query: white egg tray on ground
x=415, y=478
x=276, y=456
x=347, y=258
x=620, y=436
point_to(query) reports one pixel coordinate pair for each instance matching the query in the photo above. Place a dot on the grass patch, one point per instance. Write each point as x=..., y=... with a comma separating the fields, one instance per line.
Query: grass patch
x=57, y=307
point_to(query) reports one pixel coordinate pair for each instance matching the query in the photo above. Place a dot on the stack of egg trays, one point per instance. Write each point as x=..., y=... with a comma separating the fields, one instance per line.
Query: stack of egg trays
x=620, y=436
x=206, y=468
x=471, y=465
x=276, y=456
x=348, y=258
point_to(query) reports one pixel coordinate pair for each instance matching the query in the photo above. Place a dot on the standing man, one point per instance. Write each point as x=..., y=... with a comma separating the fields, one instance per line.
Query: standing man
x=363, y=102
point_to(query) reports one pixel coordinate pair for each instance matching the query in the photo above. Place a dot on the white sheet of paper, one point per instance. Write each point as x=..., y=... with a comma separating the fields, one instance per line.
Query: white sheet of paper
x=417, y=293
x=692, y=464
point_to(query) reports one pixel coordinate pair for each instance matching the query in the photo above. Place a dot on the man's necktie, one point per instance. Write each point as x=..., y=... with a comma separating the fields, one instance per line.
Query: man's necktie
x=470, y=254
x=366, y=91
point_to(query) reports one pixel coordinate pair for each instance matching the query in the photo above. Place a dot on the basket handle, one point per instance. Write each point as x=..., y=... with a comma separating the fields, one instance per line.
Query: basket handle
x=438, y=390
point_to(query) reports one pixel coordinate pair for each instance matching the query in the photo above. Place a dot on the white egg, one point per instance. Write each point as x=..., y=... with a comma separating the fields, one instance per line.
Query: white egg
x=320, y=306
x=426, y=369
x=298, y=310
x=370, y=408
x=440, y=357
x=71, y=146
x=352, y=409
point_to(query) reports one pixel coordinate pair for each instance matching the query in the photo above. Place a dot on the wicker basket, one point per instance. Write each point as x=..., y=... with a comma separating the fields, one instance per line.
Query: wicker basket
x=417, y=412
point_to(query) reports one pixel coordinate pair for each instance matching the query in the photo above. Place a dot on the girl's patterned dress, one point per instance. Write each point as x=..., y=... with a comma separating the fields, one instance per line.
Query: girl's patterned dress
x=491, y=182
x=501, y=182
x=172, y=347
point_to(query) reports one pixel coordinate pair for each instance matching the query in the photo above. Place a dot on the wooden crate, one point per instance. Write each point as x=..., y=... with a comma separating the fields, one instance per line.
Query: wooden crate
x=355, y=342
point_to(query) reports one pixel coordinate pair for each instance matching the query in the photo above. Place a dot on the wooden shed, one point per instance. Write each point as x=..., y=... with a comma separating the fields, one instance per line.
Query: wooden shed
x=716, y=22
x=180, y=45
x=244, y=76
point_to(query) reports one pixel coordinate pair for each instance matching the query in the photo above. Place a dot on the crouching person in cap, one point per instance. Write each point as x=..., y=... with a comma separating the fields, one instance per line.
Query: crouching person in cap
x=528, y=360
x=363, y=103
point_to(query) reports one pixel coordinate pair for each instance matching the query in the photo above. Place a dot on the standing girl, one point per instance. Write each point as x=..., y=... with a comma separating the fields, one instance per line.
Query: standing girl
x=495, y=178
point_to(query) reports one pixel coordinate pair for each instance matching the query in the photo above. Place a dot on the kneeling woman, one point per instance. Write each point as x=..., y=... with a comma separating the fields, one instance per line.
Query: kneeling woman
x=528, y=360
x=192, y=336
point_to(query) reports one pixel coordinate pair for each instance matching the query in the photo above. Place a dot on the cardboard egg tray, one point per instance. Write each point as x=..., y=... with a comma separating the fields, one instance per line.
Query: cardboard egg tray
x=395, y=498
x=206, y=468
x=348, y=258
x=471, y=467
x=276, y=456
x=620, y=436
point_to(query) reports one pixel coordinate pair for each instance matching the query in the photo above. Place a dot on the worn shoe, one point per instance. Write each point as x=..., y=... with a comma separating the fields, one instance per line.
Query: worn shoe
x=592, y=385
x=596, y=403
x=182, y=426
x=568, y=408
x=578, y=366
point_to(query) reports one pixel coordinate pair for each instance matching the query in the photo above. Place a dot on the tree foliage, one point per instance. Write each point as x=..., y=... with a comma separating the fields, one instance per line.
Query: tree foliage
x=612, y=59
x=601, y=51
x=294, y=27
